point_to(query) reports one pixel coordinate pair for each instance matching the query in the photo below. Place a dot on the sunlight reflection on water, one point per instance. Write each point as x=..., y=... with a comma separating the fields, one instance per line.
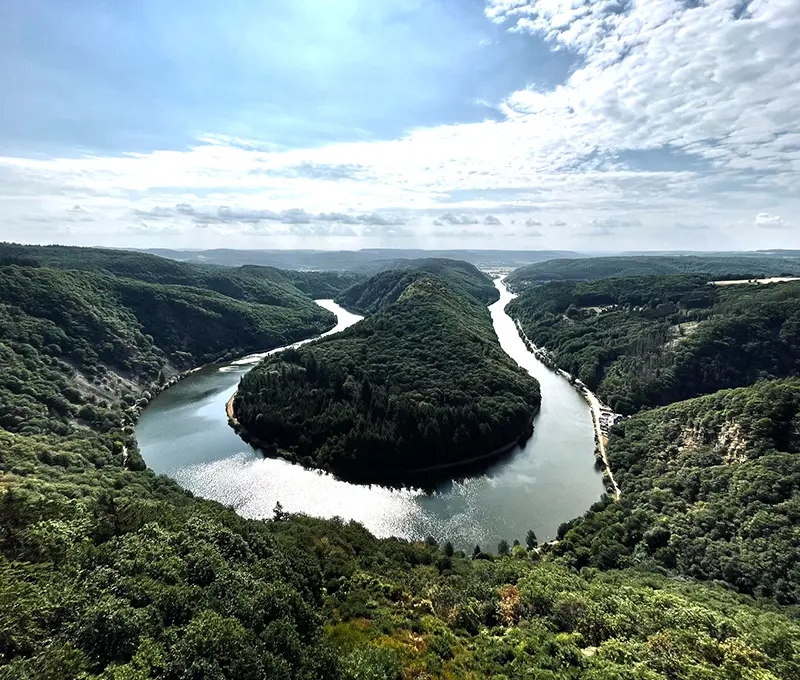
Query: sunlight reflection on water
x=184, y=433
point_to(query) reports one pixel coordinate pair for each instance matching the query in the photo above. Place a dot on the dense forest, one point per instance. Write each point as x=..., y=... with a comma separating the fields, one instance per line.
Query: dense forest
x=385, y=288
x=263, y=285
x=711, y=489
x=741, y=266
x=421, y=386
x=109, y=572
x=648, y=341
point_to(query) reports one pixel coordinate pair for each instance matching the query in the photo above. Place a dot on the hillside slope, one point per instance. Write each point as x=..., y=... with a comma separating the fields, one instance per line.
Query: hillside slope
x=117, y=335
x=262, y=285
x=421, y=384
x=710, y=488
x=648, y=341
x=590, y=269
x=383, y=289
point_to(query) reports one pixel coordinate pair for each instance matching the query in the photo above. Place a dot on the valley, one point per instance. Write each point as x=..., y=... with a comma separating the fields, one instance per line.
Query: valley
x=240, y=565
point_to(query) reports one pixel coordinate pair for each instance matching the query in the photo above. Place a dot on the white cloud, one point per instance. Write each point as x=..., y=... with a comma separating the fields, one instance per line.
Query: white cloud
x=558, y=223
x=692, y=226
x=768, y=221
x=491, y=219
x=669, y=74
x=450, y=218
x=709, y=98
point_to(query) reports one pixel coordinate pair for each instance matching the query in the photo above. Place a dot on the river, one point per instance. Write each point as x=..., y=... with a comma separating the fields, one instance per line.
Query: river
x=184, y=433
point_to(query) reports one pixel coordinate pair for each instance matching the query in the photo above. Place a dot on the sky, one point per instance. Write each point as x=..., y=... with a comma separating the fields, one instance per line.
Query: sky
x=341, y=124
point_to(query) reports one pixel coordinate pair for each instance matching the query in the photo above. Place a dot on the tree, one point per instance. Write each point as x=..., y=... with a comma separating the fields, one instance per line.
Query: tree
x=448, y=549
x=502, y=547
x=476, y=552
x=530, y=540
x=277, y=513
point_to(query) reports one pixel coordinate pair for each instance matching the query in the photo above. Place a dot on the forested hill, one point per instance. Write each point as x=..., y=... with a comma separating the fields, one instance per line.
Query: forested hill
x=422, y=384
x=716, y=267
x=710, y=488
x=113, y=334
x=263, y=285
x=649, y=341
x=386, y=287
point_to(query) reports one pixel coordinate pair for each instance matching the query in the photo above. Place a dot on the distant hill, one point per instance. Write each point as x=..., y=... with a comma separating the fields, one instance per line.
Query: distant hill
x=367, y=261
x=264, y=285
x=406, y=396
x=386, y=287
x=590, y=269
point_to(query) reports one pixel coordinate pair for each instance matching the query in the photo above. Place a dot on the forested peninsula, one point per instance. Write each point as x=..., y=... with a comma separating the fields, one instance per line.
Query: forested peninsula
x=412, y=394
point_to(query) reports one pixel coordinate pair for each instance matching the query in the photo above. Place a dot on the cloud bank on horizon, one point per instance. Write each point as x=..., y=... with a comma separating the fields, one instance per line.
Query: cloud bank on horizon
x=608, y=125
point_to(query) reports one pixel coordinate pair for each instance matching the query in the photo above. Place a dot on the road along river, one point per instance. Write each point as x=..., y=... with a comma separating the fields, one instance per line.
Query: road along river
x=184, y=433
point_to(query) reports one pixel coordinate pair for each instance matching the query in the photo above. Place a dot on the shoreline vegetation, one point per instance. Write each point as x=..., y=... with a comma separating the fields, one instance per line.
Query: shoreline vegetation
x=644, y=342
x=595, y=405
x=432, y=391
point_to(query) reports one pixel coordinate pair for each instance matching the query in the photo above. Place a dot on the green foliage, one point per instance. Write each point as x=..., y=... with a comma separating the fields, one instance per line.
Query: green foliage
x=386, y=287
x=593, y=268
x=109, y=572
x=515, y=618
x=263, y=285
x=710, y=488
x=649, y=341
x=397, y=398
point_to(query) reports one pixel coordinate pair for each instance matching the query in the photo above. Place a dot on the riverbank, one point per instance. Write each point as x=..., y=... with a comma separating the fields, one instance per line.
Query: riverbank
x=229, y=410
x=594, y=402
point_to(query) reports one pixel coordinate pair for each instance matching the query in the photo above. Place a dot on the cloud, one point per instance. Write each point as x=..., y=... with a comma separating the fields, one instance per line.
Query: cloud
x=390, y=232
x=294, y=216
x=691, y=226
x=596, y=232
x=769, y=221
x=450, y=218
x=337, y=217
x=667, y=74
x=228, y=214
x=611, y=223
x=374, y=218
x=665, y=110
x=154, y=213
x=558, y=223
x=318, y=171
x=491, y=219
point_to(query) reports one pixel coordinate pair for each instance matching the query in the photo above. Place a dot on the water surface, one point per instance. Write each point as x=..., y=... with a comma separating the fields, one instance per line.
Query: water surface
x=184, y=433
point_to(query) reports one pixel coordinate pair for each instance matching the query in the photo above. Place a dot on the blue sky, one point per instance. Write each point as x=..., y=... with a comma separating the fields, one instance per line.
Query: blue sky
x=436, y=123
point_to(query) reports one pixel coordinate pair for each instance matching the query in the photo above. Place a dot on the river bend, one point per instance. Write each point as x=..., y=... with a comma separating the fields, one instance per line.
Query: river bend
x=184, y=433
